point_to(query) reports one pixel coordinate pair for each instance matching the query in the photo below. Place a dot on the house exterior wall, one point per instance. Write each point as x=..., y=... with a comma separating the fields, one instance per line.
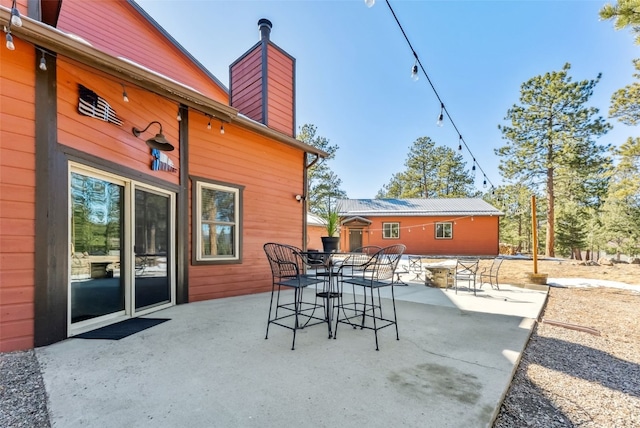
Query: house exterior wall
x=17, y=197
x=106, y=140
x=270, y=173
x=34, y=267
x=472, y=235
x=115, y=27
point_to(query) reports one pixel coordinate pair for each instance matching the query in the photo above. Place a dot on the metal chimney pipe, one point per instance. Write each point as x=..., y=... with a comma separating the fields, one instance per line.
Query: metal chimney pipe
x=264, y=25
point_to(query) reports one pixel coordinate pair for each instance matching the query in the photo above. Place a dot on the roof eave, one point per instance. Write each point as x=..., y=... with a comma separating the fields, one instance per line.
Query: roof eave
x=50, y=38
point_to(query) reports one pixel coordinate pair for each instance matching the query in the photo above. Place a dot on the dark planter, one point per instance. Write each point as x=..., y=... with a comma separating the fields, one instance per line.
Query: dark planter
x=330, y=244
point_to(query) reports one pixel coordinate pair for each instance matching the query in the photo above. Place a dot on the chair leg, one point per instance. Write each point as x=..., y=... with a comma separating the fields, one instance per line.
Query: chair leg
x=395, y=318
x=266, y=336
x=375, y=326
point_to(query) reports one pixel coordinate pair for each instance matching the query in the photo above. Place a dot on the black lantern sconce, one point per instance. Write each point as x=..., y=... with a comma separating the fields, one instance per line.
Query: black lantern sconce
x=157, y=142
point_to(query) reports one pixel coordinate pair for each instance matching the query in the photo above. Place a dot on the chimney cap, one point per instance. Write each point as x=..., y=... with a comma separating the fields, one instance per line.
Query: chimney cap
x=265, y=21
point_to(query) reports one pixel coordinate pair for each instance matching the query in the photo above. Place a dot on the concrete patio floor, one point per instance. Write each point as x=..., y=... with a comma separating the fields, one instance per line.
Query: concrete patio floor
x=210, y=366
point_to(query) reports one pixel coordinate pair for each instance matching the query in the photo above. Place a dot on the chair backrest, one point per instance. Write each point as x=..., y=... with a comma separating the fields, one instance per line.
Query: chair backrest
x=384, y=263
x=285, y=260
x=467, y=267
x=495, y=266
x=415, y=264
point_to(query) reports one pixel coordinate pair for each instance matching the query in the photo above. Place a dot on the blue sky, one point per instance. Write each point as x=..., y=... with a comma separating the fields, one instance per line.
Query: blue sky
x=353, y=68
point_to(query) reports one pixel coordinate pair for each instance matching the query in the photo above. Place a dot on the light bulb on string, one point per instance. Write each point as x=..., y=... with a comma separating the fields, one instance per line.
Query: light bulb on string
x=43, y=63
x=459, y=142
x=178, y=116
x=440, y=121
x=473, y=168
x=222, y=128
x=125, y=97
x=414, y=72
x=484, y=183
x=209, y=124
x=16, y=21
x=369, y=3
x=9, y=39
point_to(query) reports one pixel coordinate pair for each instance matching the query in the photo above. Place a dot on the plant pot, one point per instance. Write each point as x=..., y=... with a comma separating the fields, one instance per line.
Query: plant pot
x=330, y=244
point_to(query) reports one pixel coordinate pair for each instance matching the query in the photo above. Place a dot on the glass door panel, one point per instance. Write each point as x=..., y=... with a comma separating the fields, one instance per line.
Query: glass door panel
x=152, y=242
x=97, y=230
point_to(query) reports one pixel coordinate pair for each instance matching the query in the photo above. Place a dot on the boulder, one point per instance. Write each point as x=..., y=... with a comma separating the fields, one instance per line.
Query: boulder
x=605, y=262
x=634, y=261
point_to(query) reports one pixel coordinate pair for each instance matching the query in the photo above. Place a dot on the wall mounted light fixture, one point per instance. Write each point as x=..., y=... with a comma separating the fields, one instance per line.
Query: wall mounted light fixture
x=300, y=198
x=157, y=142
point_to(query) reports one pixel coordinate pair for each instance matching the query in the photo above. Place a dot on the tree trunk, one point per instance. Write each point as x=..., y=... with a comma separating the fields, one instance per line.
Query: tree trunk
x=588, y=255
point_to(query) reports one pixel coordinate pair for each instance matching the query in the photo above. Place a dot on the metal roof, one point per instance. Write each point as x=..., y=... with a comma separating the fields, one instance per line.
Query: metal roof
x=415, y=207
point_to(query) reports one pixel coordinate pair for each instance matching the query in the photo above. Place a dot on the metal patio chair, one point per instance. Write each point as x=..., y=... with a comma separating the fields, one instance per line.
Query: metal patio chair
x=377, y=272
x=415, y=266
x=288, y=269
x=466, y=270
x=491, y=274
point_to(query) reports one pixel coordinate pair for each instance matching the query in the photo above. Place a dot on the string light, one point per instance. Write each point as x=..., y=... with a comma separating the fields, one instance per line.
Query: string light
x=16, y=21
x=43, y=62
x=443, y=109
x=222, y=128
x=414, y=72
x=209, y=124
x=9, y=39
x=125, y=97
x=440, y=121
x=178, y=116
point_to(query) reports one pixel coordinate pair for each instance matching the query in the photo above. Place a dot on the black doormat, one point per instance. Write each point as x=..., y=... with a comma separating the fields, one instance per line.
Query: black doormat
x=122, y=329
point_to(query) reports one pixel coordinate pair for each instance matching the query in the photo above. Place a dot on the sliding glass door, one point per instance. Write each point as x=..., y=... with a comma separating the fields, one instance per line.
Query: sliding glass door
x=121, y=249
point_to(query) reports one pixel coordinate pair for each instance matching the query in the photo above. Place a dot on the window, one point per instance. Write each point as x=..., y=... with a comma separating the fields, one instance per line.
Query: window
x=216, y=222
x=444, y=230
x=391, y=230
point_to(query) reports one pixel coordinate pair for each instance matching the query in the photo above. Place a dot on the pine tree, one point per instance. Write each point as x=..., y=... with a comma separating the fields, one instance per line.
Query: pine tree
x=431, y=172
x=552, y=131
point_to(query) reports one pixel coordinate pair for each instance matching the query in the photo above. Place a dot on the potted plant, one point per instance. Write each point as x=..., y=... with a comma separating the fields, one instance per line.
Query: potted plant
x=331, y=242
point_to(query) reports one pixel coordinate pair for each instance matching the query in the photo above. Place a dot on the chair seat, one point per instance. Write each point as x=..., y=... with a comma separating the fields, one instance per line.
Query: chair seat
x=299, y=282
x=365, y=282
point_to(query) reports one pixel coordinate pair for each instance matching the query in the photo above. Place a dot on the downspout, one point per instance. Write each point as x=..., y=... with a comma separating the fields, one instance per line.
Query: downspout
x=305, y=186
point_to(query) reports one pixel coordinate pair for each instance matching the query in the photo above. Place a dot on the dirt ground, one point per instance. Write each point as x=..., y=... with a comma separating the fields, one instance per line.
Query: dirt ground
x=515, y=271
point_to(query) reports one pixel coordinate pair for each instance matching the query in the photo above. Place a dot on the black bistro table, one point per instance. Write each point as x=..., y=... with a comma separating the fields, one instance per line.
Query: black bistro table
x=327, y=266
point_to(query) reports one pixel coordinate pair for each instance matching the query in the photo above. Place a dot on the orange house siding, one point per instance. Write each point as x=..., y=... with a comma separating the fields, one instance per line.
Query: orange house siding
x=116, y=28
x=270, y=174
x=113, y=142
x=314, y=235
x=17, y=197
x=477, y=235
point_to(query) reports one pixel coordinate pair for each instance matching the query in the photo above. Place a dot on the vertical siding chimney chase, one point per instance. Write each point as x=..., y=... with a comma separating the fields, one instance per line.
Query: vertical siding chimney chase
x=262, y=83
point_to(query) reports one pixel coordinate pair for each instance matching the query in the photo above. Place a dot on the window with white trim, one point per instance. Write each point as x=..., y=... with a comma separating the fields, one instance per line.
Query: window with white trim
x=217, y=219
x=444, y=230
x=390, y=230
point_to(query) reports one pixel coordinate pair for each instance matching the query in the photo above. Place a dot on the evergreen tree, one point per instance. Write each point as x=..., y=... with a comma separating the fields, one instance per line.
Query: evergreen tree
x=625, y=102
x=626, y=13
x=431, y=172
x=552, y=132
x=323, y=183
x=621, y=211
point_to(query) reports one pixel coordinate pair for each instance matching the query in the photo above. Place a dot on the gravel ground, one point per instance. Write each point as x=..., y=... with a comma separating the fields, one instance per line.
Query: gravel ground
x=567, y=377
x=23, y=401
x=574, y=377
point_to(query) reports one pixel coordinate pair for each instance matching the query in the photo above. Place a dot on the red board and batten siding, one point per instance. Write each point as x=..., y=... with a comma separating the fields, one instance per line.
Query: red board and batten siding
x=472, y=235
x=246, y=84
x=271, y=175
x=116, y=28
x=280, y=91
x=107, y=140
x=17, y=197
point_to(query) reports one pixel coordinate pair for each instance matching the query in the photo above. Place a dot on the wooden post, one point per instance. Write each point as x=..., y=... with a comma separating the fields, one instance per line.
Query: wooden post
x=534, y=228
